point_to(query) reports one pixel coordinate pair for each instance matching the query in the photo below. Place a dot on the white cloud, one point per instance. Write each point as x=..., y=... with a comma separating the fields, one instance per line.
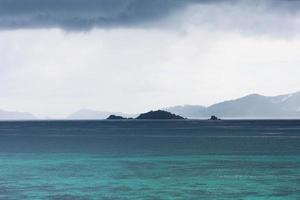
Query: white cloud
x=51, y=72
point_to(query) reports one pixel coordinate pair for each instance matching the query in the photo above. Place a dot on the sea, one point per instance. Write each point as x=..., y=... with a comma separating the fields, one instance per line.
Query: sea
x=150, y=160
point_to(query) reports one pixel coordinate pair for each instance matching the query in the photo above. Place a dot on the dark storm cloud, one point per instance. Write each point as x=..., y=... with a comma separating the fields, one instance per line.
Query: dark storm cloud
x=86, y=14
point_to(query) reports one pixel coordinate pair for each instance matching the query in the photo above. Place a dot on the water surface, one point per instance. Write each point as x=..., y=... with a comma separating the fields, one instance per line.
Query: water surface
x=183, y=159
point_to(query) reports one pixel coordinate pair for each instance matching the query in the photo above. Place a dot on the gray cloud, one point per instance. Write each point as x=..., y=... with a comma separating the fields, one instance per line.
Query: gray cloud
x=86, y=14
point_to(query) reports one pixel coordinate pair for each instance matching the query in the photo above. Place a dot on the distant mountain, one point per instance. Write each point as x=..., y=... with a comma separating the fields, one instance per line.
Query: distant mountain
x=10, y=115
x=189, y=111
x=93, y=114
x=256, y=105
x=159, y=114
x=251, y=106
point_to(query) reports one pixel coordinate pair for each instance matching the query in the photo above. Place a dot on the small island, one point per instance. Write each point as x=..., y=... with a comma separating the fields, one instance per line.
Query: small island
x=115, y=117
x=214, y=118
x=159, y=114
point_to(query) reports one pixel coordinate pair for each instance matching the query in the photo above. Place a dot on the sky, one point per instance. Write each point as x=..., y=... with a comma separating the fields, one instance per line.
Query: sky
x=59, y=56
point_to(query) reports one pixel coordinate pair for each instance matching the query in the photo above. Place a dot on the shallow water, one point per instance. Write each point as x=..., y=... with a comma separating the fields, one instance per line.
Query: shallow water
x=150, y=160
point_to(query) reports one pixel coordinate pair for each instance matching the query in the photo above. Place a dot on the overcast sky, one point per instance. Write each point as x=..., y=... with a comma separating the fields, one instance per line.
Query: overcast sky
x=58, y=56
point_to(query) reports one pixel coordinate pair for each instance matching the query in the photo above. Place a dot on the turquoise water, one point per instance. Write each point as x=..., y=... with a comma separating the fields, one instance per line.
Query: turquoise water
x=150, y=160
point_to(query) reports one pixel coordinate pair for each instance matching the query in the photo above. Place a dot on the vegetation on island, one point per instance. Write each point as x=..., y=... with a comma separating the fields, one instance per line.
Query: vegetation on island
x=159, y=114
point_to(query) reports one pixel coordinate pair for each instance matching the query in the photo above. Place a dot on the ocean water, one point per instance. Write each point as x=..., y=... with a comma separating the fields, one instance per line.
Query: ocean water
x=151, y=160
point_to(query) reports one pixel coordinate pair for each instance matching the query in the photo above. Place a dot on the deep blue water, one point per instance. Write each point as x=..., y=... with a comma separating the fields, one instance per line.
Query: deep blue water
x=180, y=159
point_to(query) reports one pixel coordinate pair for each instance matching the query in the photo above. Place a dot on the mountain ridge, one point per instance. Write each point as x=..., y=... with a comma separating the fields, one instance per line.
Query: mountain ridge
x=15, y=115
x=249, y=106
x=94, y=114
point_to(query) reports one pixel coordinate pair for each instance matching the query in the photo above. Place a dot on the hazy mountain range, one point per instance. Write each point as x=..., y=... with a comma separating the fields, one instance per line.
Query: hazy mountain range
x=93, y=114
x=250, y=106
x=9, y=115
